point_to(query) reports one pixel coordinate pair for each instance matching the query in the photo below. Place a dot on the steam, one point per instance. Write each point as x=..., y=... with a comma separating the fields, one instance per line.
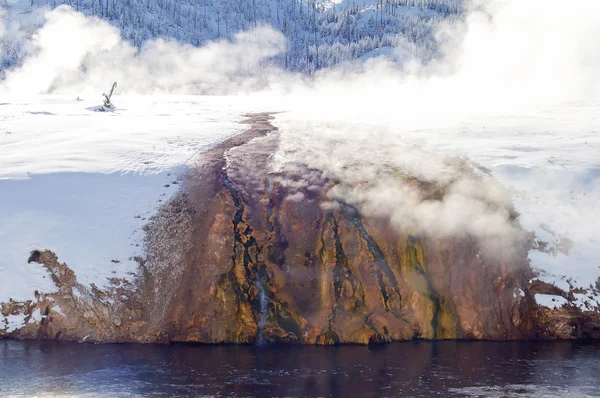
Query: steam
x=420, y=192
x=79, y=55
x=506, y=57
x=506, y=54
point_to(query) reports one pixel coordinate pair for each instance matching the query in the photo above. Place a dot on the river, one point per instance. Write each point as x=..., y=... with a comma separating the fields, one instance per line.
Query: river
x=416, y=368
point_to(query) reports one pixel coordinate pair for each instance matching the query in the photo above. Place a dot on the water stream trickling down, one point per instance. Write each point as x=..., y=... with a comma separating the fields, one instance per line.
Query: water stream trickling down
x=263, y=312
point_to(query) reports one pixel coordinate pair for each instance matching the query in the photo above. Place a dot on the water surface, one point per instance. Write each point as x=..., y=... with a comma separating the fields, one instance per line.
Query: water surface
x=418, y=368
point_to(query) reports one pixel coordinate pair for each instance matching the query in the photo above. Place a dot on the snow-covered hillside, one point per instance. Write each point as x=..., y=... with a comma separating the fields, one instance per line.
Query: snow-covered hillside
x=319, y=33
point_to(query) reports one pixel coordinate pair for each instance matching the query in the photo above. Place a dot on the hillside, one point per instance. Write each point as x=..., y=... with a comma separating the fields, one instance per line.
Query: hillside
x=320, y=33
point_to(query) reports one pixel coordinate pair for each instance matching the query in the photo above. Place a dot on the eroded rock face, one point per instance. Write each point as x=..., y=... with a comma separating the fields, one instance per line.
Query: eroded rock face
x=245, y=255
x=277, y=261
x=76, y=312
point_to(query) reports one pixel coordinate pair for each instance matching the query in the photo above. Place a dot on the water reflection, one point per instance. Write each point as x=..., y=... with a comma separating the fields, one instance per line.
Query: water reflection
x=420, y=368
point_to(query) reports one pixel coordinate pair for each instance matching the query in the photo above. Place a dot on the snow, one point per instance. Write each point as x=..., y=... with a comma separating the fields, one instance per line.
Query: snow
x=58, y=310
x=36, y=316
x=586, y=302
x=83, y=183
x=550, y=301
x=14, y=322
x=87, y=219
x=140, y=136
x=373, y=5
x=481, y=174
x=398, y=54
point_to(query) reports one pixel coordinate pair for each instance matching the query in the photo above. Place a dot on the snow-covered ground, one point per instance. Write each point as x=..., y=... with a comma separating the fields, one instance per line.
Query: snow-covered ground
x=82, y=183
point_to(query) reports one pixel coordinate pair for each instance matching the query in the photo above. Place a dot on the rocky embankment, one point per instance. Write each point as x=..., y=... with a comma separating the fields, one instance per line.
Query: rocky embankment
x=246, y=255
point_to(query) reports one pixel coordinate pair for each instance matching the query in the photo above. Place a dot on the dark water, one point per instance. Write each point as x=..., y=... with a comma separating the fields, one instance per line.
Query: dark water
x=420, y=369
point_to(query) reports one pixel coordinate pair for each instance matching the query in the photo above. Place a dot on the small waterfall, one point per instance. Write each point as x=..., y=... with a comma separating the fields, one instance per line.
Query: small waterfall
x=263, y=312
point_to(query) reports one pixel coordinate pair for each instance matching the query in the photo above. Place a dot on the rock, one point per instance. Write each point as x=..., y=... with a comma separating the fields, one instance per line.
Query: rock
x=243, y=255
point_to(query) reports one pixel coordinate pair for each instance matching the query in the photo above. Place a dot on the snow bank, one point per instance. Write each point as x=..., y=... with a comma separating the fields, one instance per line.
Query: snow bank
x=145, y=134
x=83, y=183
x=550, y=301
x=14, y=322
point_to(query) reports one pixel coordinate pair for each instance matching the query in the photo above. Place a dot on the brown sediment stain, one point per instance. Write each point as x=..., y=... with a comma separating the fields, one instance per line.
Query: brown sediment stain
x=235, y=257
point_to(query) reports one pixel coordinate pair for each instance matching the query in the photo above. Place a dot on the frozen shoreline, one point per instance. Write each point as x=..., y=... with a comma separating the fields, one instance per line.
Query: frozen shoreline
x=83, y=183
